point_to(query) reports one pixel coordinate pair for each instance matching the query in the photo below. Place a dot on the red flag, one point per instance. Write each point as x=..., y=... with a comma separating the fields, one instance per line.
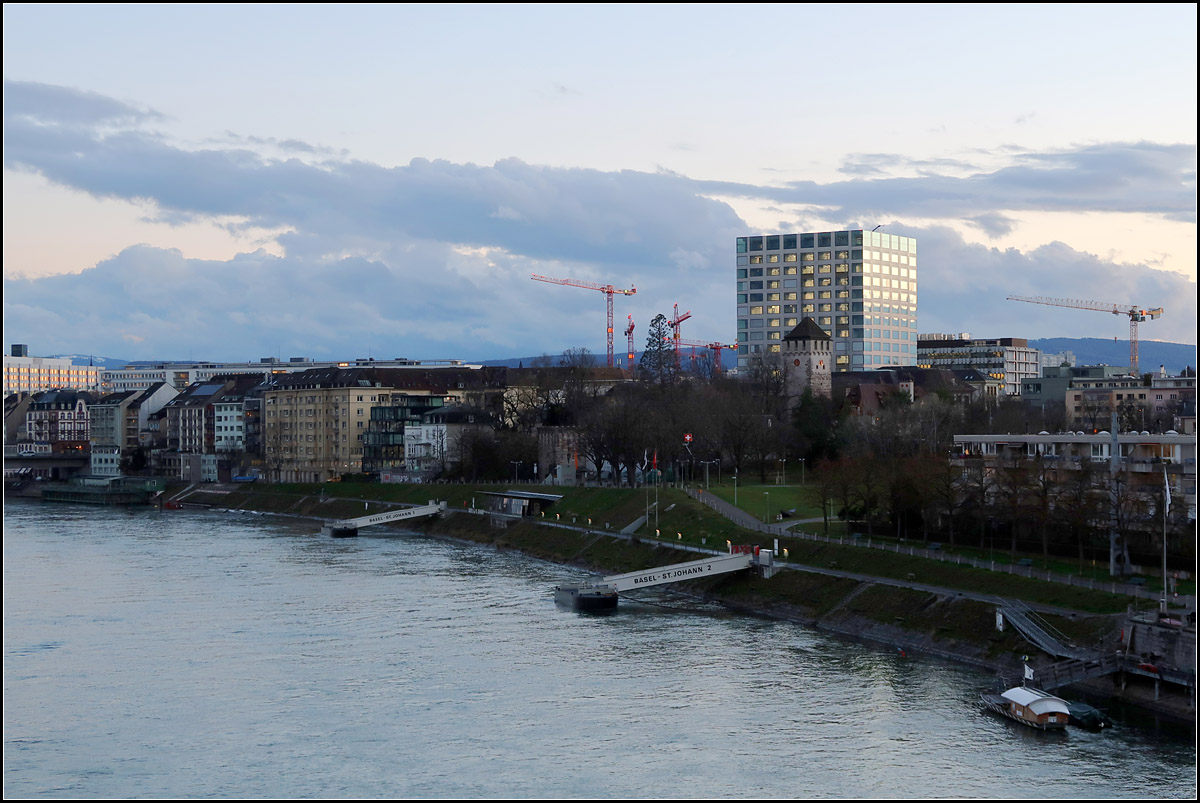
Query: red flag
x=656, y=459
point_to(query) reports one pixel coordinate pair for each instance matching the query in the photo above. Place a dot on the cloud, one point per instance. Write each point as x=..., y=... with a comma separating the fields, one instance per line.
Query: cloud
x=994, y=224
x=44, y=105
x=965, y=286
x=434, y=258
x=1142, y=177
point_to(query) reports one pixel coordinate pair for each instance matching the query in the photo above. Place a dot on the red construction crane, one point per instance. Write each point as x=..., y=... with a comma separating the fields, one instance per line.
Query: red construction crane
x=629, y=335
x=608, y=291
x=674, y=324
x=1135, y=314
x=716, y=348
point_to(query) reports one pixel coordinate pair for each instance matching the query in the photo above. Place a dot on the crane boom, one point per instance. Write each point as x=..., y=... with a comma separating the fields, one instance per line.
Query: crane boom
x=715, y=346
x=608, y=291
x=1134, y=313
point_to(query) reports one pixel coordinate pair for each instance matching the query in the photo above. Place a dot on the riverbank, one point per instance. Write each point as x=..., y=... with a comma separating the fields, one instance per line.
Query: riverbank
x=952, y=624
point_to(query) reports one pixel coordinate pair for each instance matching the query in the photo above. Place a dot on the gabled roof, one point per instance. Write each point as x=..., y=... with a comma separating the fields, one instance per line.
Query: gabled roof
x=807, y=330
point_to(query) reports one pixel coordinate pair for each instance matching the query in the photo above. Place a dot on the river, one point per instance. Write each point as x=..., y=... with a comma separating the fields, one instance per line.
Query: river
x=194, y=654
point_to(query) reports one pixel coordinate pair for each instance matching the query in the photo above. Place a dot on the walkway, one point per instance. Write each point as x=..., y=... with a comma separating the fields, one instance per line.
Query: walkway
x=744, y=519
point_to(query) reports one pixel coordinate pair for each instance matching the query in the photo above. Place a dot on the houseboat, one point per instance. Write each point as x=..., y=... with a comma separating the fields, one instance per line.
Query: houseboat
x=1029, y=706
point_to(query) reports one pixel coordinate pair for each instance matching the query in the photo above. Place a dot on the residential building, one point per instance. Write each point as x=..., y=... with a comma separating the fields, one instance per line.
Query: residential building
x=314, y=422
x=192, y=417
x=442, y=441
x=859, y=286
x=383, y=442
x=60, y=418
x=1009, y=359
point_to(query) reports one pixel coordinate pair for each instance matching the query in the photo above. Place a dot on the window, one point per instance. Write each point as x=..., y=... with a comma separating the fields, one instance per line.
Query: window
x=824, y=240
x=773, y=243
x=757, y=260
x=756, y=243
x=789, y=241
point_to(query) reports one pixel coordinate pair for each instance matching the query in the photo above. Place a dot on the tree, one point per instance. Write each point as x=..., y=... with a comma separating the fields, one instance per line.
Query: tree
x=658, y=360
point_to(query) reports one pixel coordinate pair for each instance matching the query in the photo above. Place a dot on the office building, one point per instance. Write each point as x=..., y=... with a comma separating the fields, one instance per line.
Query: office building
x=859, y=286
x=1009, y=359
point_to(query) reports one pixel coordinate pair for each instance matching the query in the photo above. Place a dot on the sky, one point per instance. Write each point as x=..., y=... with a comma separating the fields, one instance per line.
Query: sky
x=236, y=182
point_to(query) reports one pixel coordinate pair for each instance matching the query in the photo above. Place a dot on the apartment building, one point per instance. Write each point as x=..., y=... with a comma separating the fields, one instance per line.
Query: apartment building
x=60, y=418
x=859, y=286
x=314, y=423
x=442, y=441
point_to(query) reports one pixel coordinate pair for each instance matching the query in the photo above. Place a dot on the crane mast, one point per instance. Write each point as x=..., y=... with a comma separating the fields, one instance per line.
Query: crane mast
x=1134, y=313
x=674, y=324
x=608, y=291
x=629, y=336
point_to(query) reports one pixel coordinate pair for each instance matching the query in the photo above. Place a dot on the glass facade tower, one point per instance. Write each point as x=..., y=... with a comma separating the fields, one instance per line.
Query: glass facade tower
x=859, y=286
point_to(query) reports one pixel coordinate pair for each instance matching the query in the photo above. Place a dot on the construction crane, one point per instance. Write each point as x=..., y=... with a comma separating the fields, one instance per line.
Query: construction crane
x=715, y=347
x=629, y=336
x=674, y=324
x=1136, y=315
x=608, y=291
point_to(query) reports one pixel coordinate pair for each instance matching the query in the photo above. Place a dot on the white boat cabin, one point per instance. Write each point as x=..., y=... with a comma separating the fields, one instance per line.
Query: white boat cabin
x=1037, y=707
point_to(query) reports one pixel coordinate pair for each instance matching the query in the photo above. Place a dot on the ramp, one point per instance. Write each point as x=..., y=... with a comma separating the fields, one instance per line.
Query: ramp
x=350, y=527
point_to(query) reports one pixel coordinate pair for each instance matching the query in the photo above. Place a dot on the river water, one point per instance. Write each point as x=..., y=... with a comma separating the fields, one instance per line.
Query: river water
x=203, y=654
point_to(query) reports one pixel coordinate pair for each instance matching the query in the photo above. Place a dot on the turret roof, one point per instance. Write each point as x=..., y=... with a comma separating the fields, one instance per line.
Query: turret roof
x=807, y=330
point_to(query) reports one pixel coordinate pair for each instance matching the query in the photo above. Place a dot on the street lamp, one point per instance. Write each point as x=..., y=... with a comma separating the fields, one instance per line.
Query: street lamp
x=735, y=504
x=767, y=494
x=801, y=470
x=708, y=463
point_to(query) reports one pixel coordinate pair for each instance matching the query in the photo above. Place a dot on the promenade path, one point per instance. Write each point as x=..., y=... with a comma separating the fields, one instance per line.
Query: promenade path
x=744, y=519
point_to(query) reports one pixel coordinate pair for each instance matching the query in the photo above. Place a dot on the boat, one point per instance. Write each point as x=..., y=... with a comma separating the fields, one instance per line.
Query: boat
x=1086, y=716
x=586, y=597
x=1029, y=706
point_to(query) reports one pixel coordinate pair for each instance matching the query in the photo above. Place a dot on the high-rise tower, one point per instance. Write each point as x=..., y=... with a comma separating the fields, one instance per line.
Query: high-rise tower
x=858, y=286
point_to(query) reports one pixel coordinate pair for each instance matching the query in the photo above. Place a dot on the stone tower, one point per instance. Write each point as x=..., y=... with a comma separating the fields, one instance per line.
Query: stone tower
x=808, y=357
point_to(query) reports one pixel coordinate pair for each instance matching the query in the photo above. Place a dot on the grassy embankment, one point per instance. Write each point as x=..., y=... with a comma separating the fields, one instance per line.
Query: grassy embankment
x=682, y=520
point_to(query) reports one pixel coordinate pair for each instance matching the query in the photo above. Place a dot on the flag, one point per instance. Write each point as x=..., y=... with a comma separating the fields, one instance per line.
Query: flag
x=656, y=459
x=1167, y=488
x=1028, y=672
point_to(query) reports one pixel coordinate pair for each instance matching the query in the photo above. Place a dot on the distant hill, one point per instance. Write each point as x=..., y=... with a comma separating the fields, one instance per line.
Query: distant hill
x=1098, y=351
